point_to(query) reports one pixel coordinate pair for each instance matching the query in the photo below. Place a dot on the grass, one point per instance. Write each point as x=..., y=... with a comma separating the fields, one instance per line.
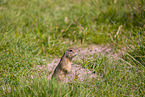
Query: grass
x=114, y=79
x=36, y=30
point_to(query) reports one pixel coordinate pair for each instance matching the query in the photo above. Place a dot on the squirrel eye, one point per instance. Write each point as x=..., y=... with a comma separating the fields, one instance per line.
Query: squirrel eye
x=70, y=50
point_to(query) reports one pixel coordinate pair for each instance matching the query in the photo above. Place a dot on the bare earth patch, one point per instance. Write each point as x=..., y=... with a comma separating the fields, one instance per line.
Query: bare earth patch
x=77, y=71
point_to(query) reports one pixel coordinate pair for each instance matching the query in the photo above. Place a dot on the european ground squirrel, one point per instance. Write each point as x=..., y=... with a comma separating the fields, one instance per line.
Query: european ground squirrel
x=64, y=66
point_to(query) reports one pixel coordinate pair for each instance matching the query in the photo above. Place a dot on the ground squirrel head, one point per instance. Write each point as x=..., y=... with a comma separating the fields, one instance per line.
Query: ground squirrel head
x=70, y=53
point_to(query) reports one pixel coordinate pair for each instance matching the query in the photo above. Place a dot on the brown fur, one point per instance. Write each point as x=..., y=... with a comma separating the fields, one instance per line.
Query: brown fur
x=64, y=66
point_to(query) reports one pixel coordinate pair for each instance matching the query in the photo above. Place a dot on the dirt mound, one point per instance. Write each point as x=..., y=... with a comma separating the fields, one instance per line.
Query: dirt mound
x=77, y=70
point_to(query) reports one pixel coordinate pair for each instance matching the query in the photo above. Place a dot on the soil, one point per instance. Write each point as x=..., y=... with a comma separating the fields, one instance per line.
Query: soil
x=78, y=72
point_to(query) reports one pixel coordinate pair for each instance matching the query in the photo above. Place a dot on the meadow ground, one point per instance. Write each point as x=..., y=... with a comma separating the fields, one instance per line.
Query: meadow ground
x=34, y=34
